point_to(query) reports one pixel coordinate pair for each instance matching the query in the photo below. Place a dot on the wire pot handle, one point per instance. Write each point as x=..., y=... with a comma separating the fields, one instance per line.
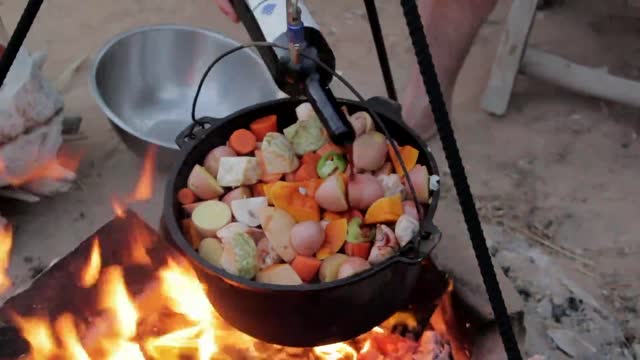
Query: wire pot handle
x=201, y=123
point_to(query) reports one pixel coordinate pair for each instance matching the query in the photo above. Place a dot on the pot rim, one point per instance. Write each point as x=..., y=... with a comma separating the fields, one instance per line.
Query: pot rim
x=171, y=222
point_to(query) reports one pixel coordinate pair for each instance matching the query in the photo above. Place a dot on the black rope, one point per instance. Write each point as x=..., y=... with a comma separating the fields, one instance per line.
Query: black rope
x=378, y=40
x=17, y=39
x=450, y=147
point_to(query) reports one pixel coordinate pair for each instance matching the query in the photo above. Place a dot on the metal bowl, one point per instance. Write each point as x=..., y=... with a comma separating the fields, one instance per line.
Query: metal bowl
x=144, y=80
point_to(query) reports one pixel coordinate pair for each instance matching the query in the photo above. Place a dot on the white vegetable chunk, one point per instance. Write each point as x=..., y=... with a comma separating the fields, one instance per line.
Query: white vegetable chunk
x=237, y=171
x=246, y=210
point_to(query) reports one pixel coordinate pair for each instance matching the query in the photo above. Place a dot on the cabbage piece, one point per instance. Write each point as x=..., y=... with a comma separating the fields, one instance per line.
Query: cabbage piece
x=240, y=256
x=278, y=154
x=307, y=135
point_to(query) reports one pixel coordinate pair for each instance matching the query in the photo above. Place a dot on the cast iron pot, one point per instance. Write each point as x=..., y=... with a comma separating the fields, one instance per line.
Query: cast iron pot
x=311, y=314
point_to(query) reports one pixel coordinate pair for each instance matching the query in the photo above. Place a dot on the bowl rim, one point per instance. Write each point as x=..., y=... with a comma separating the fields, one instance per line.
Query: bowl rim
x=100, y=54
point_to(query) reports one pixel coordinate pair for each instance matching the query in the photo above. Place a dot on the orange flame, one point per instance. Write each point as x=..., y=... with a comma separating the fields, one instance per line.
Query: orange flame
x=56, y=168
x=139, y=242
x=68, y=335
x=185, y=295
x=90, y=273
x=38, y=332
x=144, y=188
x=6, y=240
x=118, y=208
x=114, y=298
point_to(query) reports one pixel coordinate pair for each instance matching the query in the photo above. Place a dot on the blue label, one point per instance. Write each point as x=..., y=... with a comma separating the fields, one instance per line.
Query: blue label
x=268, y=9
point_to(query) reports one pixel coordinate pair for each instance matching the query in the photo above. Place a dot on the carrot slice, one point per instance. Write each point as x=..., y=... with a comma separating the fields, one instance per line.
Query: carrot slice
x=408, y=154
x=311, y=158
x=329, y=147
x=191, y=233
x=360, y=249
x=261, y=127
x=242, y=141
x=306, y=267
x=306, y=171
x=266, y=177
x=186, y=196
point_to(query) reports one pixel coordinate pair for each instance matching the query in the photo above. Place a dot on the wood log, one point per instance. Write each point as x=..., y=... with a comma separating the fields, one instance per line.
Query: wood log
x=580, y=79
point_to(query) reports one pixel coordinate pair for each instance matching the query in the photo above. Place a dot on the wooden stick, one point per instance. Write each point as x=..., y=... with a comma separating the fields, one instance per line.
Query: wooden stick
x=580, y=79
x=512, y=46
x=4, y=34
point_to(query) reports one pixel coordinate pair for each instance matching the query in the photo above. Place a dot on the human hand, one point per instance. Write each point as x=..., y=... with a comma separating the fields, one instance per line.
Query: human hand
x=227, y=9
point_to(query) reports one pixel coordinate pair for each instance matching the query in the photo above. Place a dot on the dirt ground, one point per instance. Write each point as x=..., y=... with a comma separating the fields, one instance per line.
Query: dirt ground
x=558, y=168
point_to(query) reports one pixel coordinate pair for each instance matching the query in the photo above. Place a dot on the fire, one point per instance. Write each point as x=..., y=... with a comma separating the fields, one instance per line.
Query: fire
x=185, y=295
x=56, y=168
x=139, y=242
x=339, y=351
x=6, y=240
x=114, y=298
x=144, y=187
x=69, y=340
x=90, y=273
x=38, y=332
x=118, y=208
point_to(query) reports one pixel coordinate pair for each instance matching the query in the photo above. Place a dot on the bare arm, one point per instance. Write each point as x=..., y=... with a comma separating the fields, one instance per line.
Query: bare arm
x=227, y=9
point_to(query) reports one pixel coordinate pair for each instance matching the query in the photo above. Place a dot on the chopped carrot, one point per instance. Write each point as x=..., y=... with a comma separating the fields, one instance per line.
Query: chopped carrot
x=329, y=147
x=306, y=171
x=186, y=196
x=191, y=233
x=386, y=209
x=261, y=127
x=311, y=186
x=289, y=177
x=287, y=196
x=311, y=158
x=306, y=267
x=330, y=216
x=409, y=156
x=242, y=141
x=360, y=249
x=258, y=189
x=266, y=177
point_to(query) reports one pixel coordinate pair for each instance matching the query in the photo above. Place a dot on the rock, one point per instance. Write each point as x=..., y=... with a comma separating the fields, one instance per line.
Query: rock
x=570, y=343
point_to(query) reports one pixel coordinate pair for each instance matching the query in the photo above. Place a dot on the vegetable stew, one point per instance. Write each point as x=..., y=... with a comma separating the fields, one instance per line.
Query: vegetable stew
x=286, y=206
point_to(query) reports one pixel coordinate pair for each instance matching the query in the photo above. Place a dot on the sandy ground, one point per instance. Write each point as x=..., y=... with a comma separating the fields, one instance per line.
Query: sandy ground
x=558, y=164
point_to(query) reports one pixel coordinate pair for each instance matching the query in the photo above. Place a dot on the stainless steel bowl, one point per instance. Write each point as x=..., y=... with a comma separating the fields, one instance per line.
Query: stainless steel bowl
x=144, y=80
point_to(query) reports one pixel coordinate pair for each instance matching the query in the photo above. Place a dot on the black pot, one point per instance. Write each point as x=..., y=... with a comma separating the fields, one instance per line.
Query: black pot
x=310, y=314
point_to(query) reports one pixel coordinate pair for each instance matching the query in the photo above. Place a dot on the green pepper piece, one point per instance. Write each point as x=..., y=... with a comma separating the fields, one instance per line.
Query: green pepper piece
x=355, y=234
x=330, y=162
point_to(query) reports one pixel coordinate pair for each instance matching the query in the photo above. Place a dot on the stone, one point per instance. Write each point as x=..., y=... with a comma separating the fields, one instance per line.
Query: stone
x=570, y=343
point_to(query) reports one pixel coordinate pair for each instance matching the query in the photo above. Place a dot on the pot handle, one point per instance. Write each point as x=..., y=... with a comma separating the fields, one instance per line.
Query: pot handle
x=421, y=247
x=194, y=131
